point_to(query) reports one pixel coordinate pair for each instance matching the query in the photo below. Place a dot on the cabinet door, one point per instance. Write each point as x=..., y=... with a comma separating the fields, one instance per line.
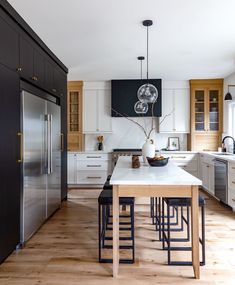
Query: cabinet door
x=9, y=169
x=9, y=46
x=104, y=111
x=64, y=147
x=90, y=111
x=199, y=110
x=211, y=186
x=167, y=124
x=181, y=111
x=26, y=58
x=60, y=80
x=214, y=112
x=49, y=76
x=38, y=68
x=71, y=168
x=205, y=175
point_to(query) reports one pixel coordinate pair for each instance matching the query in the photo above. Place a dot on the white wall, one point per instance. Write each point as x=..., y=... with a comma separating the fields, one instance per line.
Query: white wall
x=228, y=80
x=126, y=134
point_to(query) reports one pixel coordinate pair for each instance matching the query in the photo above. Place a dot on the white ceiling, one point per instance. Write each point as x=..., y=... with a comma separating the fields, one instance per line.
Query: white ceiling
x=101, y=39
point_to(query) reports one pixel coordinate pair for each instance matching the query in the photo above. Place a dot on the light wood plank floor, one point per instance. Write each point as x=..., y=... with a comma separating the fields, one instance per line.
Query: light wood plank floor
x=64, y=251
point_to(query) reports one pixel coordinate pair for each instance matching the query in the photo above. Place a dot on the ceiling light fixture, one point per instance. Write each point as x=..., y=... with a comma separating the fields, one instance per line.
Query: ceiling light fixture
x=228, y=96
x=141, y=107
x=147, y=93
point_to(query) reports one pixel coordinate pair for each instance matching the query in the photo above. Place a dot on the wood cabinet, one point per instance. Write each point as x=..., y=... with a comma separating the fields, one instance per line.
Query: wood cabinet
x=176, y=108
x=206, y=114
x=10, y=169
x=74, y=99
x=97, y=108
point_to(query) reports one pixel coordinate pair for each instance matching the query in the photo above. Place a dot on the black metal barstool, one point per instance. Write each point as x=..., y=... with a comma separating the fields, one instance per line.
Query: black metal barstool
x=166, y=228
x=105, y=201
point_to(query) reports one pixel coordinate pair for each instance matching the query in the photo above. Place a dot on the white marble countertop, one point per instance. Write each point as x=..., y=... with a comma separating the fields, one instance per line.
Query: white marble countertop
x=170, y=174
x=227, y=156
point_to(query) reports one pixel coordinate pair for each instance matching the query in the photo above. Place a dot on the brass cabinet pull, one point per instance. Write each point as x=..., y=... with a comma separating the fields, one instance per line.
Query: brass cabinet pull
x=62, y=142
x=53, y=90
x=34, y=78
x=233, y=200
x=20, y=160
x=233, y=182
x=94, y=165
x=233, y=167
x=19, y=69
x=94, y=177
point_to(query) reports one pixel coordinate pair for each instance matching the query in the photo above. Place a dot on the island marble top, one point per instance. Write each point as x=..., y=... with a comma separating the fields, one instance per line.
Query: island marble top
x=169, y=174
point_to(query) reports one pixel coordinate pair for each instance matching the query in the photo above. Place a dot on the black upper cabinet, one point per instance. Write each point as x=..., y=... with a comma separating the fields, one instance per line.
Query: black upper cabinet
x=9, y=168
x=26, y=59
x=31, y=62
x=9, y=46
x=60, y=82
x=49, y=76
x=39, y=67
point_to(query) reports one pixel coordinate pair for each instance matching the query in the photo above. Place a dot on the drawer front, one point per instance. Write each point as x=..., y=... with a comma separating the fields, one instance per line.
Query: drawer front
x=231, y=181
x=92, y=165
x=231, y=197
x=231, y=169
x=91, y=177
x=93, y=156
x=183, y=157
x=187, y=165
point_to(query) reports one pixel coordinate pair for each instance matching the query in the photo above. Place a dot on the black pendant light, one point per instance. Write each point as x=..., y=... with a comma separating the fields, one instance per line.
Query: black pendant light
x=228, y=96
x=147, y=93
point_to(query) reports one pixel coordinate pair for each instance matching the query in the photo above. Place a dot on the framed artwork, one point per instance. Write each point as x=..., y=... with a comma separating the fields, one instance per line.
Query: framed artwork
x=173, y=143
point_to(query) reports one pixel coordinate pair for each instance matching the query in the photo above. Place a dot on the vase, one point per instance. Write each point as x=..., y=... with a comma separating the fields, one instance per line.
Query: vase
x=148, y=149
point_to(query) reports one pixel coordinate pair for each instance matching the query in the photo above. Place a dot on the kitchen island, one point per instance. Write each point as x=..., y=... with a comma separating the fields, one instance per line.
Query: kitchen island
x=147, y=181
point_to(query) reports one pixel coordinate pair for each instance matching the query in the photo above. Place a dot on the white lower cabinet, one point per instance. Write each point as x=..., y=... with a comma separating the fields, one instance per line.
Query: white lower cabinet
x=187, y=161
x=231, y=185
x=207, y=172
x=88, y=169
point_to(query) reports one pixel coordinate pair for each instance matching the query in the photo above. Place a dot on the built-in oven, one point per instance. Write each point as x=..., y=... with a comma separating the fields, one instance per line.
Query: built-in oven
x=221, y=180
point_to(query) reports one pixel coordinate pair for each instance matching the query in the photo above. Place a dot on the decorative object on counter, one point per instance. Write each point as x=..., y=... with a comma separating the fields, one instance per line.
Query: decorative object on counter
x=100, y=143
x=228, y=96
x=148, y=149
x=173, y=143
x=158, y=161
x=135, y=161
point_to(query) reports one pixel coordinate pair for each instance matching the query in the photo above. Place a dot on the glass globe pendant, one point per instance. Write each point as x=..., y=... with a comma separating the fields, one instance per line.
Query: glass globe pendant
x=141, y=107
x=147, y=93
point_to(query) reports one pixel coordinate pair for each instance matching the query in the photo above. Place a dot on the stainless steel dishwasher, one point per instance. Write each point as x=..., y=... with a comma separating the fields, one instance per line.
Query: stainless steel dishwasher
x=221, y=180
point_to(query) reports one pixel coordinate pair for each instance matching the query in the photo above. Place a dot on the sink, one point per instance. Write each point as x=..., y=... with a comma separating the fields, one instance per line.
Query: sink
x=223, y=153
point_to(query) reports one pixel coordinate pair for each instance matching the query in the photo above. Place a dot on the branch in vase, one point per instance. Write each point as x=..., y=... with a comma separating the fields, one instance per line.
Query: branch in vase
x=133, y=121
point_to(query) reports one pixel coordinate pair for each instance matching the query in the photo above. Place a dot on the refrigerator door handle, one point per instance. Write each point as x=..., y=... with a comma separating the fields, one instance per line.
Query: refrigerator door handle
x=47, y=119
x=51, y=145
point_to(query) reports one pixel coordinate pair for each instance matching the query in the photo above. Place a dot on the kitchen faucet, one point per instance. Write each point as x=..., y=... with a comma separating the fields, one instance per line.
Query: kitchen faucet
x=233, y=142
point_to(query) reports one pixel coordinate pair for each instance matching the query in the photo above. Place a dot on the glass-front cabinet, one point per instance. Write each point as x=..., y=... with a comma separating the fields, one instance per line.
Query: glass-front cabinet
x=206, y=114
x=75, y=136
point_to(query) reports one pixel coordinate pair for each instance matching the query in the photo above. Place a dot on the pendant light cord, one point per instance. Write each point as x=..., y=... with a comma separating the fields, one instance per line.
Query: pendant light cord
x=147, y=52
x=141, y=69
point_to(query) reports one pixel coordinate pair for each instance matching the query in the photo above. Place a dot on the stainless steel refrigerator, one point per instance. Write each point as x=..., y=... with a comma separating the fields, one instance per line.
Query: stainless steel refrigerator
x=41, y=149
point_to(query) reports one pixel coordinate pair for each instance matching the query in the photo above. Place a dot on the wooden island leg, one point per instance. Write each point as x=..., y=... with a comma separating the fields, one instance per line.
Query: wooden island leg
x=115, y=231
x=195, y=232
